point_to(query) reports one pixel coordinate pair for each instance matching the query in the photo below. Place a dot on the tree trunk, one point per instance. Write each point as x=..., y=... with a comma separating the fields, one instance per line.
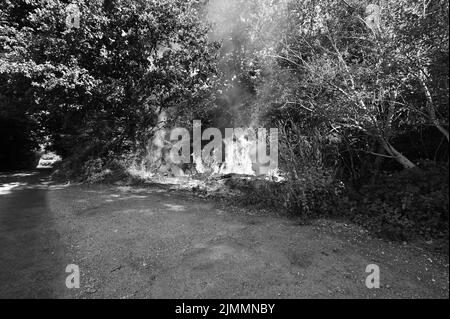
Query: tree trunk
x=378, y=161
x=399, y=157
x=430, y=107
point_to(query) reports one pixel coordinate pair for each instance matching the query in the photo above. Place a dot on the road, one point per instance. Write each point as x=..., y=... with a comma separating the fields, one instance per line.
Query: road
x=154, y=243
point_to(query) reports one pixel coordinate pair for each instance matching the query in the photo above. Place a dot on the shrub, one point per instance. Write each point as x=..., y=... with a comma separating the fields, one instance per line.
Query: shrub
x=312, y=195
x=404, y=205
x=91, y=169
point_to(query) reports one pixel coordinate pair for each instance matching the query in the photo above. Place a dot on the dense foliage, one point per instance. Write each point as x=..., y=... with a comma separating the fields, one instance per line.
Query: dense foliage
x=97, y=89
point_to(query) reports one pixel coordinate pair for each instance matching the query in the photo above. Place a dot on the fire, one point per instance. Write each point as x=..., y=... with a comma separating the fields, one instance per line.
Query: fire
x=238, y=159
x=240, y=152
x=245, y=151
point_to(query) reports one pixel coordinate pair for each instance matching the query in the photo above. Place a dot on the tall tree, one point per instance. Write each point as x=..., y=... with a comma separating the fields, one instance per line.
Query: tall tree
x=101, y=85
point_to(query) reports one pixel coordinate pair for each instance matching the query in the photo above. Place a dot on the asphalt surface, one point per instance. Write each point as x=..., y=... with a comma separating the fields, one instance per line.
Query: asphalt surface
x=155, y=243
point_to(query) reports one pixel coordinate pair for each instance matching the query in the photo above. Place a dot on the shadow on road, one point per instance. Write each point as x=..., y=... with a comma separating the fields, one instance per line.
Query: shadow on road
x=30, y=251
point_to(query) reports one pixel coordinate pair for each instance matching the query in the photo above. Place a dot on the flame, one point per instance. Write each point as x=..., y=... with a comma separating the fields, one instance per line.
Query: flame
x=239, y=152
x=238, y=156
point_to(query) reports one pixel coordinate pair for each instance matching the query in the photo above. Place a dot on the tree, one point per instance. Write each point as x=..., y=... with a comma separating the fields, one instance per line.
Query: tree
x=355, y=77
x=422, y=46
x=99, y=88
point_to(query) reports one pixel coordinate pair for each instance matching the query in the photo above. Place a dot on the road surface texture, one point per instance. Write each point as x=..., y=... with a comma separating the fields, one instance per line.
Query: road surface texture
x=153, y=243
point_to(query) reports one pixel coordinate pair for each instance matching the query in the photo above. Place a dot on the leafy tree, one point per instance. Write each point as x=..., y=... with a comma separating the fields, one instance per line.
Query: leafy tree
x=99, y=88
x=352, y=77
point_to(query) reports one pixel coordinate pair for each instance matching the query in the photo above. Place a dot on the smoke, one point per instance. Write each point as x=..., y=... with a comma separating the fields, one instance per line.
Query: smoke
x=248, y=30
x=228, y=18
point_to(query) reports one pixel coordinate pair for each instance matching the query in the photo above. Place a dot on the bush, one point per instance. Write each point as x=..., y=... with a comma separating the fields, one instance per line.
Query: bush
x=404, y=205
x=312, y=195
x=91, y=169
x=308, y=189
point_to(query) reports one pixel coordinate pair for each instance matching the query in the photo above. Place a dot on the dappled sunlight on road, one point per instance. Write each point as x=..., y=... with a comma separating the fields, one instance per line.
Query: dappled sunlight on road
x=175, y=208
x=8, y=187
x=112, y=198
x=15, y=175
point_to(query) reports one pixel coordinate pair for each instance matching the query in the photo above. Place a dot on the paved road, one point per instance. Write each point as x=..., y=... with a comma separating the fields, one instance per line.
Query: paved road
x=153, y=243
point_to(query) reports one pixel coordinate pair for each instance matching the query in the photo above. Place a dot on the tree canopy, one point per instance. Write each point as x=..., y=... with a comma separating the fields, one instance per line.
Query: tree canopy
x=102, y=85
